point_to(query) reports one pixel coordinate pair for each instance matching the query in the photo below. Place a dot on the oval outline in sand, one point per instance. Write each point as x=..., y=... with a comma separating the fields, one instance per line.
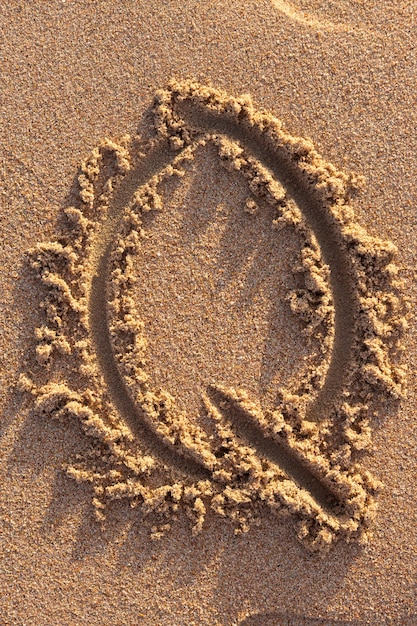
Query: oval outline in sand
x=183, y=113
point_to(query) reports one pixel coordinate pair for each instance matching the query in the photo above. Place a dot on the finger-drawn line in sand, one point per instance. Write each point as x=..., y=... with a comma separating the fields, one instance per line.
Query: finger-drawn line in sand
x=311, y=21
x=273, y=618
x=301, y=458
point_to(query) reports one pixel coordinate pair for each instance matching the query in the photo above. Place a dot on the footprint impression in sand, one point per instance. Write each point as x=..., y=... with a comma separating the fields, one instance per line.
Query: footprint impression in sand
x=298, y=458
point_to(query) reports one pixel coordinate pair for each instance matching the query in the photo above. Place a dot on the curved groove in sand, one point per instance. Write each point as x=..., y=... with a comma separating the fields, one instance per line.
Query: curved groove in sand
x=201, y=121
x=159, y=156
x=309, y=20
x=276, y=617
x=327, y=235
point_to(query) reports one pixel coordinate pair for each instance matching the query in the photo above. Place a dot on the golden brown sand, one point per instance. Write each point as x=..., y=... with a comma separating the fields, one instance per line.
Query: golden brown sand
x=231, y=418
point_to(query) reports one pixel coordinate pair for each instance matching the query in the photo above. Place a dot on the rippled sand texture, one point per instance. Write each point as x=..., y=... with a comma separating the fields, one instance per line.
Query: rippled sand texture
x=215, y=311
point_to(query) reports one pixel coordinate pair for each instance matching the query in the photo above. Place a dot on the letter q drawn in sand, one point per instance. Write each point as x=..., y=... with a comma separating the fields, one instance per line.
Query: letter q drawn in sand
x=299, y=459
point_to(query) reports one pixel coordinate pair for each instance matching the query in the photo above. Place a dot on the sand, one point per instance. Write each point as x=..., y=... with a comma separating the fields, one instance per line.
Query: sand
x=235, y=441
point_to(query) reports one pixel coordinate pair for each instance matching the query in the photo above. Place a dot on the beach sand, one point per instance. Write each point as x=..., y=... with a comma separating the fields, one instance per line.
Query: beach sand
x=210, y=280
